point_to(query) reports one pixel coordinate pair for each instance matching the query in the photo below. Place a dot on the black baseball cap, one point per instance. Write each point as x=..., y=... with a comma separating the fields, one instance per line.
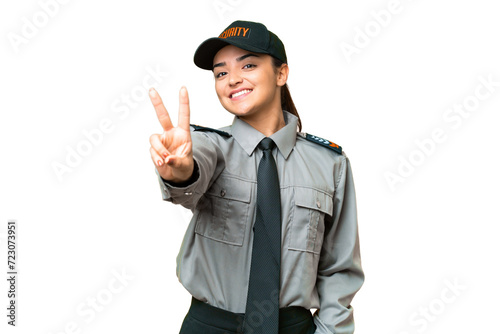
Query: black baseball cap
x=250, y=36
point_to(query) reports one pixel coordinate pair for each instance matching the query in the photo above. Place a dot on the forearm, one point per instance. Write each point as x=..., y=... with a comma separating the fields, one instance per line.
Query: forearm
x=208, y=162
x=340, y=274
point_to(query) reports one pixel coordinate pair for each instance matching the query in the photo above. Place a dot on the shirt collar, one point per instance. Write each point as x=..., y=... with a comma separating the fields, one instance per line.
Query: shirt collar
x=248, y=137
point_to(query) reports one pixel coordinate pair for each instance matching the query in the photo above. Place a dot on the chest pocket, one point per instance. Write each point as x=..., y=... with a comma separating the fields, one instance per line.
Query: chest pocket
x=223, y=212
x=308, y=219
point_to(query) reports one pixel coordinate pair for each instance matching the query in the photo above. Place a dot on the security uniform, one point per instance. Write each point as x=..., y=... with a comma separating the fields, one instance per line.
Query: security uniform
x=320, y=257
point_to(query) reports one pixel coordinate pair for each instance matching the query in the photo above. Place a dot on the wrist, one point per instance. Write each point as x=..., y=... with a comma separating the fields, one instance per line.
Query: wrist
x=183, y=182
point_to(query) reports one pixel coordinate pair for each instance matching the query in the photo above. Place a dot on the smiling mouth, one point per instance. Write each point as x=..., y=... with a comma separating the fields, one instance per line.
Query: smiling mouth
x=240, y=93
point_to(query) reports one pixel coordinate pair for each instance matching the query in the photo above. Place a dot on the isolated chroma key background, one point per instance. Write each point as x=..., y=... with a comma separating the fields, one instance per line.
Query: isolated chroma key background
x=409, y=89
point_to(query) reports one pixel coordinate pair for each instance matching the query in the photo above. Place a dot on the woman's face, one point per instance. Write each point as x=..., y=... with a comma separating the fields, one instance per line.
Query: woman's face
x=246, y=83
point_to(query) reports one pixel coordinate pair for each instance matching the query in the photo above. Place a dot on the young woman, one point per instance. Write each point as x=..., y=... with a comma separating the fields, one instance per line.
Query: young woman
x=274, y=229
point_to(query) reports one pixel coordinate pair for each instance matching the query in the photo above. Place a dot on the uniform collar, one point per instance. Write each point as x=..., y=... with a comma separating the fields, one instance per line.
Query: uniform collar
x=248, y=137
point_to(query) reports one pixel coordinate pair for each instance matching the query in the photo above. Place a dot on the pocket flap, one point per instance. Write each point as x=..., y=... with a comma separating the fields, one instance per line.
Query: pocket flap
x=230, y=188
x=313, y=199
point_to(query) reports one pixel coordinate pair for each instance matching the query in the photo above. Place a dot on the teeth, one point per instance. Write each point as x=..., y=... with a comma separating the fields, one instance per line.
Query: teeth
x=241, y=92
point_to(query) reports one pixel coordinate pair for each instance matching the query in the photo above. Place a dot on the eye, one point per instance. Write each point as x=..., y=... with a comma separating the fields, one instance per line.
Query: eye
x=220, y=74
x=249, y=66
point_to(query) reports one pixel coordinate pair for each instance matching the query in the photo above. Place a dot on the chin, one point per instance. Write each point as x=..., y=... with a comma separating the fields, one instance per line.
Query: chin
x=238, y=110
x=238, y=113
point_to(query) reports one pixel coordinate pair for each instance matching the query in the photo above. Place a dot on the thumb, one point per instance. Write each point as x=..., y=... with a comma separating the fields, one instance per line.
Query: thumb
x=172, y=161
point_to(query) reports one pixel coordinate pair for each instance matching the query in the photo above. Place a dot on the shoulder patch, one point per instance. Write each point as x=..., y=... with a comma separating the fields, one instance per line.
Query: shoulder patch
x=204, y=128
x=323, y=142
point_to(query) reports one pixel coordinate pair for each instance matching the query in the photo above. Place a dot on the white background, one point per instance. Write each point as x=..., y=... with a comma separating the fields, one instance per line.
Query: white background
x=437, y=227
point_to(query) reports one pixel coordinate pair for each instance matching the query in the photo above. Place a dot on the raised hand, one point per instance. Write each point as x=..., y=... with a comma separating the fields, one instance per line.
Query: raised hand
x=171, y=151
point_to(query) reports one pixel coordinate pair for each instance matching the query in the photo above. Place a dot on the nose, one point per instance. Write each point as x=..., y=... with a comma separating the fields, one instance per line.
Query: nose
x=234, y=78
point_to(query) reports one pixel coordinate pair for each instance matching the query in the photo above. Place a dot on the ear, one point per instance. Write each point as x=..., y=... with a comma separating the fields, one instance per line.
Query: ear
x=282, y=75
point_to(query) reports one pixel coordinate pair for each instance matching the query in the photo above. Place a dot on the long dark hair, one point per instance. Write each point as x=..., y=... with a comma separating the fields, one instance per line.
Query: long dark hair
x=286, y=99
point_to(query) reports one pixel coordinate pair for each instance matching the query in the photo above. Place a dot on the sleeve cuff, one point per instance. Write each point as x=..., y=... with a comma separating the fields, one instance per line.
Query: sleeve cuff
x=175, y=192
x=320, y=326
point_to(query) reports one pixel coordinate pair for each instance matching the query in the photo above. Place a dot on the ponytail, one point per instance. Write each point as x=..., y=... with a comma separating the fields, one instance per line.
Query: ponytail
x=286, y=98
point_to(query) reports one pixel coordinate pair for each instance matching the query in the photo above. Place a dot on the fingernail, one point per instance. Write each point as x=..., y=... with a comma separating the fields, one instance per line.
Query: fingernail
x=160, y=162
x=165, y=154
x=183, y=91
x=152, y=92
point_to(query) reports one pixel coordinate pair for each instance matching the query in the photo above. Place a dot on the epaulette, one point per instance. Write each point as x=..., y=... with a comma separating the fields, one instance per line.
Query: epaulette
x=204, y=128
x=321, y=141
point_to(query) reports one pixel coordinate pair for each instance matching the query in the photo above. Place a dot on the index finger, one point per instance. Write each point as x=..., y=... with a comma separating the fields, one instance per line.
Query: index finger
x=161, y=111
x=184, y=111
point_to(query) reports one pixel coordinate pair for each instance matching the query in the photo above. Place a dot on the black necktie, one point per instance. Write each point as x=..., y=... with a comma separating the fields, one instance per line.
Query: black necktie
x=262, y=307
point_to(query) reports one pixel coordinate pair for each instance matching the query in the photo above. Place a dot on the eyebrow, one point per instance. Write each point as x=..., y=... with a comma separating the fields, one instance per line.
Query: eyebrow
x=237, y=59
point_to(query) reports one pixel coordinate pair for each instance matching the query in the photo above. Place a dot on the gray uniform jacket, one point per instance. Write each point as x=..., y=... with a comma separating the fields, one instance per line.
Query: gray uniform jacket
x=320, y=266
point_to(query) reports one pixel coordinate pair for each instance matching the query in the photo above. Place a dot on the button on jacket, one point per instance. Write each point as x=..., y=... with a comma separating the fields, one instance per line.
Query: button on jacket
x=320, y=265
